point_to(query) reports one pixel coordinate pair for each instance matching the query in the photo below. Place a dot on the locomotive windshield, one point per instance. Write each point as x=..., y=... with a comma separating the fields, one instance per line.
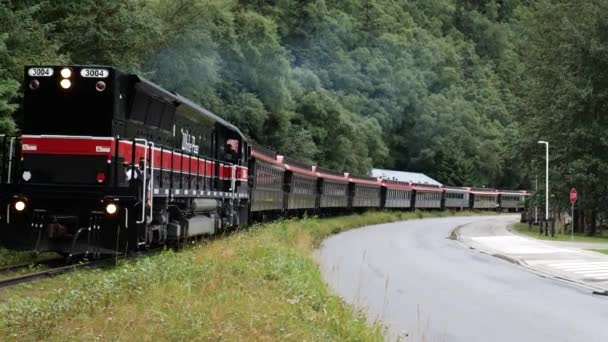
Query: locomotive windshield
x=69, y=101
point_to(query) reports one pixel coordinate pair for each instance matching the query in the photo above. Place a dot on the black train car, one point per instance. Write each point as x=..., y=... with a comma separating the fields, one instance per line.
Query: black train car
x=268, y=174
x=301, y=186
x=512, y=200
x=333, y=189
x=456, y=197
x=109, y=161
x=482, y=198
x=396, y=194
x=427, y=196
x=365, y=192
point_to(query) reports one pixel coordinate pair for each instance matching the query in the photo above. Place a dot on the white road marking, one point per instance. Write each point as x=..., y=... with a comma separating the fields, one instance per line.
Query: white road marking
x=588, y=269
x=517, y=245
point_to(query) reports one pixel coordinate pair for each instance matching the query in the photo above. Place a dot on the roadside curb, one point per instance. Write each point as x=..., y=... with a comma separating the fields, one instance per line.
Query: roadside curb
x=596, y=290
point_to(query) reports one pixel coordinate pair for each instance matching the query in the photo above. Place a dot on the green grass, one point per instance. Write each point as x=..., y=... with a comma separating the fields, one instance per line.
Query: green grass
x=9, y=257
x=524, y=229
x=604, y=251
x=258, y=284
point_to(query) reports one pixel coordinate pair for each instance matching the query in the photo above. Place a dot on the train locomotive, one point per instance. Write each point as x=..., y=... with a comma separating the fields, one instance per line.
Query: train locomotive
x=108, y=162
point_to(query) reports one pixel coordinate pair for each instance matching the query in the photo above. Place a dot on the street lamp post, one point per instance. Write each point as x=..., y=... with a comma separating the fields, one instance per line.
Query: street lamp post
x=535, y=199
x=546, y=143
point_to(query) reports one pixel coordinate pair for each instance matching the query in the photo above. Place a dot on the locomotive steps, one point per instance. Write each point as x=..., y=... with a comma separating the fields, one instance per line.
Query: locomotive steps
x=261, y=283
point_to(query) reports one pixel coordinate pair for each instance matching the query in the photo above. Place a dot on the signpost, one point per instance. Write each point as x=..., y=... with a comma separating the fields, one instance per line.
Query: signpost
x=573, y=198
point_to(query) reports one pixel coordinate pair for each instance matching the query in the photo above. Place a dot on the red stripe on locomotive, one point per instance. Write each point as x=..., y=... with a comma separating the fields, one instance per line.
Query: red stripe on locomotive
x=168, y=160
x=60, y=145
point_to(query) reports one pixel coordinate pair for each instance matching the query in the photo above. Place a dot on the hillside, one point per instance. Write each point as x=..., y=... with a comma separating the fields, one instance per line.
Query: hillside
x=440, y=87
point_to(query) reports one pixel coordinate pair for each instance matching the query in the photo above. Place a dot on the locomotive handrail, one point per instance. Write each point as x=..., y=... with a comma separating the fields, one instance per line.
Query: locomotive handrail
x=9, y=167
x=10, y=160
x=144, y=186
x=233, y=179
x=151, y=180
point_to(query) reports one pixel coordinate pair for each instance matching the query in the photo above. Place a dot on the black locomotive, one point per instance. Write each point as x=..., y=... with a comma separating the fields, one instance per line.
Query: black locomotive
x=108, y=162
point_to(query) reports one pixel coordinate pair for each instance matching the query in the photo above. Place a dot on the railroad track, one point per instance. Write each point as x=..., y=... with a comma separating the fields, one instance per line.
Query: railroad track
x=48, y=273
x=37, y=275
x=17, y=267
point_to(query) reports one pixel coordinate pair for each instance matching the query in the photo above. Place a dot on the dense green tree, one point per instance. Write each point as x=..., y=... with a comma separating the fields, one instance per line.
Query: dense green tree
x=114, y=32
x=565, y=51
x=23, y=40
x=427, y=86
x=8, y=91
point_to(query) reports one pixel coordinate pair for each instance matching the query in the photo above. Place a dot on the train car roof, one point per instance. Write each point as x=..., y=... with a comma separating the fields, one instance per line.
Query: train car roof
x=271, y=157
x=427, y=187
x=514, y=192
x=484, y=191
x=457, y=189
x=178, y=100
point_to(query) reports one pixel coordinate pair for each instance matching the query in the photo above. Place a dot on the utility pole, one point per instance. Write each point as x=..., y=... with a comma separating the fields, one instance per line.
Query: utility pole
x=535, y=198
x=546, y=178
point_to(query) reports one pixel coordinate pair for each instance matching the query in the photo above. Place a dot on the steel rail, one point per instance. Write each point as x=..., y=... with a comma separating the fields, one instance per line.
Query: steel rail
x=16, y=267
x=108, y=261
x=29, y=277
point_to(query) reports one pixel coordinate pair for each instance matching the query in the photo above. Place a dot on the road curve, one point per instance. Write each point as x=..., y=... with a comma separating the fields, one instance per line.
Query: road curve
x=426, y=287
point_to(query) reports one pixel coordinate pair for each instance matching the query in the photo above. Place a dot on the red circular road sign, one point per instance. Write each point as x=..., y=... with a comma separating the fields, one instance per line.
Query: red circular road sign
x=573, y=195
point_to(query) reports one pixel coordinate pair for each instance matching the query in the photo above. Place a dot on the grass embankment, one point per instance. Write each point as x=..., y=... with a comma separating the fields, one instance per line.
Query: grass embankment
x=524, y=229
x=259, y=284
x=9, y=257
x=603, y=251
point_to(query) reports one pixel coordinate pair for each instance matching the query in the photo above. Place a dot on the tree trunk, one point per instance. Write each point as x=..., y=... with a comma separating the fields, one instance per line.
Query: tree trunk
x=593, y=223
x=580, y=221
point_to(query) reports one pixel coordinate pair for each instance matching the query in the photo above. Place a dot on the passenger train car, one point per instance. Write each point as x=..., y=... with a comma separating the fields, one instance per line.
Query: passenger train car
x=109, y=162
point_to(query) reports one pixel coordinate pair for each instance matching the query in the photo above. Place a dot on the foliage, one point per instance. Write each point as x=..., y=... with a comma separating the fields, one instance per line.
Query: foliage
x=428, y=86
x=11, y=257
x=564, y=48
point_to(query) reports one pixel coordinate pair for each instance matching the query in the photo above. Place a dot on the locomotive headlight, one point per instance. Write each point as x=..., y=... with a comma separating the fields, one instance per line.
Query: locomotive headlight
x=19, y=205
x=65, y=84
x=111, y=208
x=26, y=176
x=66, y=73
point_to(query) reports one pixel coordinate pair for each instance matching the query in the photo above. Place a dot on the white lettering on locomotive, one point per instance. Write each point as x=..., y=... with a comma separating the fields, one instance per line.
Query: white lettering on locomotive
x=94, y=73
x=189, y=142
x=27, y=147
x=40, y=72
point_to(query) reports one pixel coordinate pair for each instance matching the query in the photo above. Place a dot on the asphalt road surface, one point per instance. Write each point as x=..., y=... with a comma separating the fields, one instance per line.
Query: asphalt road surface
x=424, y=286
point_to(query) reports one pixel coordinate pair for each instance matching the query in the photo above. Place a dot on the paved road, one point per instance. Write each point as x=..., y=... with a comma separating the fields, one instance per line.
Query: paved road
x=426, y=287
x=565, y=260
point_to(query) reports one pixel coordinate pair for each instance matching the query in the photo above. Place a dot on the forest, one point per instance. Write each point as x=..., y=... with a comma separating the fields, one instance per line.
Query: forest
x=459, y=89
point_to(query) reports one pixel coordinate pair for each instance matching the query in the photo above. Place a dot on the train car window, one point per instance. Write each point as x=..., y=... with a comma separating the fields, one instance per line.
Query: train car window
x=154, y=113
x=231, y=149
x=167, y=118
x=139, y=107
